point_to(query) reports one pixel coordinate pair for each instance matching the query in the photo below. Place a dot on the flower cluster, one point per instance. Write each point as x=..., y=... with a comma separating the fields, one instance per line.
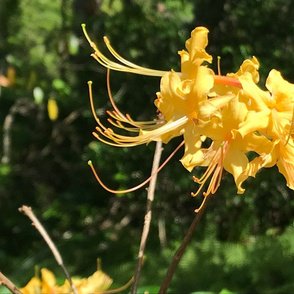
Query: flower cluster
x=222, y=119
x=97, y=283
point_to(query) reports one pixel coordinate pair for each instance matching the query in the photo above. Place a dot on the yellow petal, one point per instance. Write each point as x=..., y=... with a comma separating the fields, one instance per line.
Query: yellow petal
x=96, y=283
x=196, y=46
x=48, y=281
x=236, y=163
x=248, y=66
x=287, y=170
x=280, y=88
x=32, y=287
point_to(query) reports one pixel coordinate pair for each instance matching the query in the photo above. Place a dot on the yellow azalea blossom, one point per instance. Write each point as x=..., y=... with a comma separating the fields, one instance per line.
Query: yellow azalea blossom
x=32, y=287
x=48, y=282
x=226, y=151
x=271, y=116
x=97, y=283
x=181, y=97
x=271, y=153
x=188, y=101
x=270, y=112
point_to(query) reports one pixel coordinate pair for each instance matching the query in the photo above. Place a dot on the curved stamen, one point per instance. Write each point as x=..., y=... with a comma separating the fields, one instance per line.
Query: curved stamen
x=130, y=64
x=148, y=136
x=93, y=107
x=126, y=66
x=216, y=167
x=201, y=205
x=140, y=185
x=120, y=115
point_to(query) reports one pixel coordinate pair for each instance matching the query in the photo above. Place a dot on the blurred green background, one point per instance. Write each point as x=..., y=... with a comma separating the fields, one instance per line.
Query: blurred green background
x=244, y=243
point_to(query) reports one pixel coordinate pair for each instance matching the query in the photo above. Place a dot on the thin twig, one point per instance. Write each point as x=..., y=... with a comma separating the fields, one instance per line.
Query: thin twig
x=4, y=281
x=28, y=212
x=180, y=251
x=147, y=221
x=22, y=106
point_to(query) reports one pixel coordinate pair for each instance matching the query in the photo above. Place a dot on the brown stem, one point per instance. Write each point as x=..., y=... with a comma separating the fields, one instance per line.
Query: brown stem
x=28, y=212
x=4, y=281
x=147, y=221
x=180, y=251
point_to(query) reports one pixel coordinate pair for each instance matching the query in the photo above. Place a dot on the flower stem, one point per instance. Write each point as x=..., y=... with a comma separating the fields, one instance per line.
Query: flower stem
x=180, y=251
x=147, y=221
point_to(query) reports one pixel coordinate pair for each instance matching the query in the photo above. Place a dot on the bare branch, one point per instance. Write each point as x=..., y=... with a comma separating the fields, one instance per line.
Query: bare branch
x=35, y=222
x=146, y=226
x=4, y=281
x=180, y=251
x=22, y=106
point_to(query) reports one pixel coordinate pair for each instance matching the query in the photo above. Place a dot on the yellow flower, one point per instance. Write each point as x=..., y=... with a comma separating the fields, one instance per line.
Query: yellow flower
x=182, y=96
x=188, y=101
x=226, y=150
x=274, y=153
x=97, y=283
x=47, y=284
x=32, y=287
x=270, y=112
x=271, y=117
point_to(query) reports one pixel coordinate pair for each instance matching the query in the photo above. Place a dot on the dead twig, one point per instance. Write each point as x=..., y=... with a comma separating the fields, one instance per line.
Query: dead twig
x=35, y=222
x=180, y=251
x=147, y=221
x=4, y=281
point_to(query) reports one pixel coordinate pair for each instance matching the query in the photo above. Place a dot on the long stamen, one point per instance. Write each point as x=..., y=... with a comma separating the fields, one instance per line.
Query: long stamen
x=217, y=176
x=138, y=186
x=130, y=64
x=126, y=66
x=93, y=107
x=201, y=205
x=148, y=136
x=210, y=169
x=218, y=65
x=119, y=115
x=216, y=167
x=111, y=97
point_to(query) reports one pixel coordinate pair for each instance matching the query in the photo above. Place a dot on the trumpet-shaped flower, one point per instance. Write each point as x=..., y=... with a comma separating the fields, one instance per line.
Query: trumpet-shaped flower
x=189, y=103
x=271, y=116
x=182, y=96
x=274, y=153
x=270, y=112
x=97, y=283
x=227, y=150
